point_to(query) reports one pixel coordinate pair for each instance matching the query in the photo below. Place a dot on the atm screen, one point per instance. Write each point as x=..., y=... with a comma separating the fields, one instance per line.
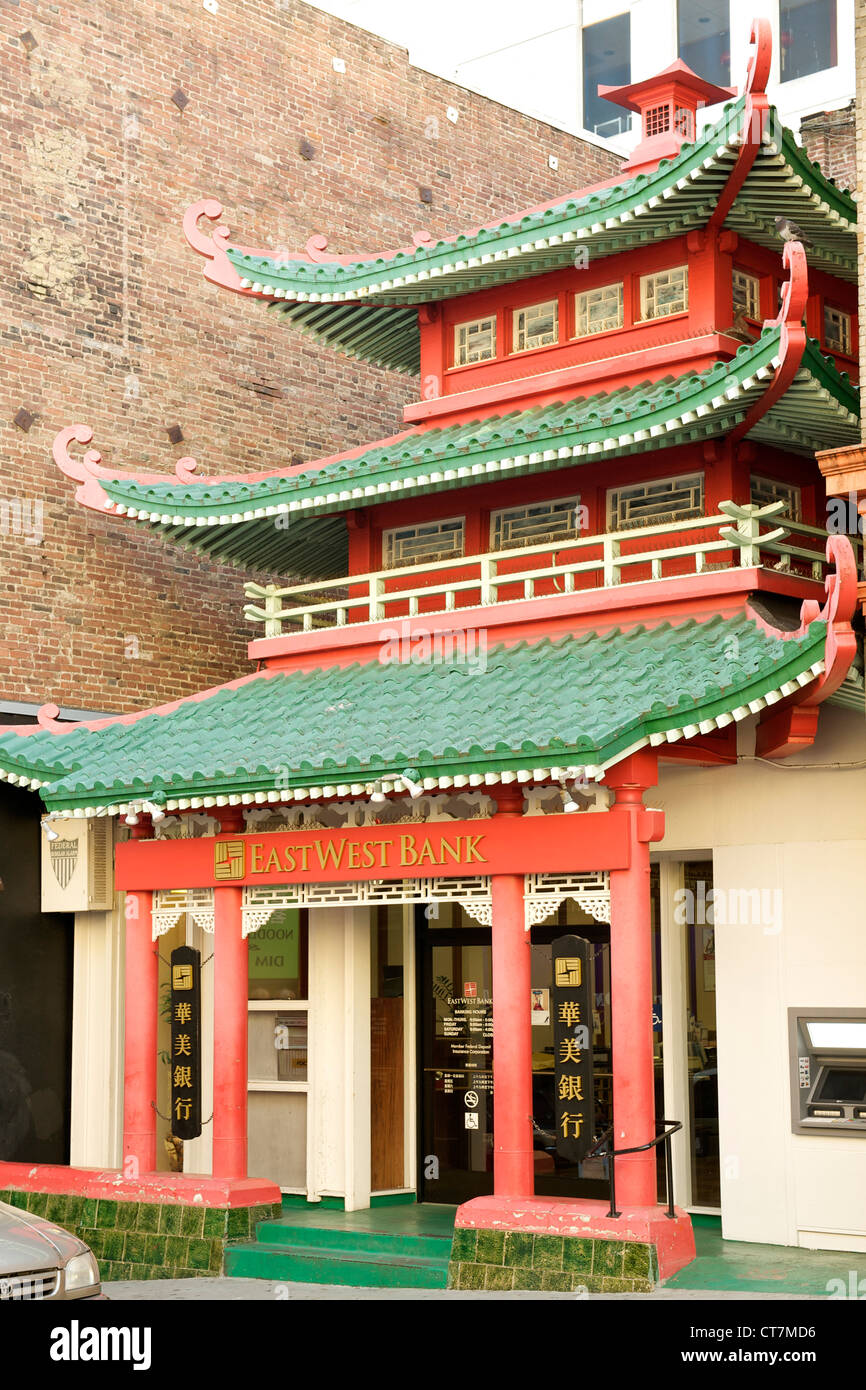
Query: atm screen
x=843, y=1084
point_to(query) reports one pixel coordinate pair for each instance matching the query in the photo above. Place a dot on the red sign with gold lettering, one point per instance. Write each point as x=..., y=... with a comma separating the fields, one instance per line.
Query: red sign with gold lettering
x=437, y=849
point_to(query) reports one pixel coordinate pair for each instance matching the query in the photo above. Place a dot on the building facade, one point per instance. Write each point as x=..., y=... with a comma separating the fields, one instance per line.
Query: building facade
x=104, y=319
x=549, y=61
x=571, y=655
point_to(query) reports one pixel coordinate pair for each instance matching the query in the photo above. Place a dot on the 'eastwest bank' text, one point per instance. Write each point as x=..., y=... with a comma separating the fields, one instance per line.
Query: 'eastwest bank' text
x=405, y=852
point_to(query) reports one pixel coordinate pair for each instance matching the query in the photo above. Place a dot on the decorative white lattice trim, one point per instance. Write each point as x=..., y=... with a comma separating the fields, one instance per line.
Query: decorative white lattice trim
x=543, y=893
x=539, y=909
x=186, y=827
x=567, y=885
x=259, y=902
x=170, y=904
x=479, y=912
x=352, y=813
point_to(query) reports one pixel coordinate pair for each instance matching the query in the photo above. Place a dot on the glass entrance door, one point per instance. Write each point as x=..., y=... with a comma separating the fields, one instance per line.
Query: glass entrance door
x=456, y=1098
x=456, y=1052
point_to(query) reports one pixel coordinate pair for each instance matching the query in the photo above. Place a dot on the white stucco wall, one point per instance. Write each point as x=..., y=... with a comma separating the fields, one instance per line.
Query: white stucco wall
x=96, y=1136
x=799, y=831
x=338, y=1119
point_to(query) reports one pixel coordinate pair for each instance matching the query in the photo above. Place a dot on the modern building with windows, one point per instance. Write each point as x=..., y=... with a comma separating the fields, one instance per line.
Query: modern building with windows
x=549, y=60
x=559, y=688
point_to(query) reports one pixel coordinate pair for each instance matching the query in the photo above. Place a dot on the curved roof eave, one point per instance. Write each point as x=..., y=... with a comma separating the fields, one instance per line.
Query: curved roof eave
x=365, y=306
x=280, y=736
x=268, y=521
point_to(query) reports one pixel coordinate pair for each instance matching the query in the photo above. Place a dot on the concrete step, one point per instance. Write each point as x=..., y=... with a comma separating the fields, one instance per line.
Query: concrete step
x=307, y=1264
x=329, y=1237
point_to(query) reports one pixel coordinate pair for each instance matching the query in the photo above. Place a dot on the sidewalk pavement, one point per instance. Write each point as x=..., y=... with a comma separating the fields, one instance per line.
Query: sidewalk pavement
x=269, y=1290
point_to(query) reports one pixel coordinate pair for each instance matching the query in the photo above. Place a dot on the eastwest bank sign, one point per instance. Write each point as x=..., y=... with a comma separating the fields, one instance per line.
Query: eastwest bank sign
x=260, y=859
x=500, y=845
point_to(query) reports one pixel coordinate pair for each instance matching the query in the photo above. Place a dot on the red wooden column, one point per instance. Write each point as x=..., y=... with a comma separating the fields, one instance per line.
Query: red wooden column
x=513, y=1162
x=141, y=1015
x=230, y=1026
x=631, y=988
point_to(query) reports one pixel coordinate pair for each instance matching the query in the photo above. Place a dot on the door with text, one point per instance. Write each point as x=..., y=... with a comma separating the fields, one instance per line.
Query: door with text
x=456, y=1095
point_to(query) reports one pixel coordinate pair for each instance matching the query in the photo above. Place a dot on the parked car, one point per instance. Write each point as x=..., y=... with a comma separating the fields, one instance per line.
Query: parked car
x=39, y=1260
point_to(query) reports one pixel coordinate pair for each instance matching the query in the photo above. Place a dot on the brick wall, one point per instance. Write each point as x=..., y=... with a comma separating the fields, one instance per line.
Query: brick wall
x=105, y=317
x=829, y=138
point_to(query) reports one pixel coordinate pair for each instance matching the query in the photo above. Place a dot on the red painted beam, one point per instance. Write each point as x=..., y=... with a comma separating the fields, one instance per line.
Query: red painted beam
x=787, y=731
x=560, y=843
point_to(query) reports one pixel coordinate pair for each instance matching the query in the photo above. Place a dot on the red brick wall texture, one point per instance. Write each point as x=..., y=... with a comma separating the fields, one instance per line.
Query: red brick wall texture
x=105, y=316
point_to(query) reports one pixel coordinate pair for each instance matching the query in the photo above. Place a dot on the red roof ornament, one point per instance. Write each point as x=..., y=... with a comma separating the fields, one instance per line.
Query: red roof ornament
x=668, y=104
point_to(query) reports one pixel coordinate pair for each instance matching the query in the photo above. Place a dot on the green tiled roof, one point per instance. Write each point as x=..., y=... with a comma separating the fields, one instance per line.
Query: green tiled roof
x=583, y=700
x=278, y=523
x=360, y=305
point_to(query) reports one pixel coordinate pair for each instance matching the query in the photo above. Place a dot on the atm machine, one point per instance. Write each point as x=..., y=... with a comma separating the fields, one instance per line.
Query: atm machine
x=828, y=1071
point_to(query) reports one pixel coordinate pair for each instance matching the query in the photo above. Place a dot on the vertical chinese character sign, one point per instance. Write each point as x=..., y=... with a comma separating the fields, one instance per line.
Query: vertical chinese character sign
x=572, y=1034
x=186, y=1043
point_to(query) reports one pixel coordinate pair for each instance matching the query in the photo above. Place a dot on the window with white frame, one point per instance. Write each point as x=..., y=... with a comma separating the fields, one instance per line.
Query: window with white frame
x=656, y=502
x=746, y=294
x=598, y=311
x=665, y=292
x=424, y=543
x=475, y=341
x=767, y=490
x=535, y=523
x=837, y=330
x=535, y=326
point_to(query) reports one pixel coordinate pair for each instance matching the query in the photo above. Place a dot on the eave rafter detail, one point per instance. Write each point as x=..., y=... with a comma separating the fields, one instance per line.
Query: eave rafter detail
x=775, y=389
x=741, y=173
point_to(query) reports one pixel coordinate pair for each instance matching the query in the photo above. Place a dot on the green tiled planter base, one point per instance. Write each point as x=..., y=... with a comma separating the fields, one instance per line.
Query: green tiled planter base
x=147, y=1240
x=482, y=1259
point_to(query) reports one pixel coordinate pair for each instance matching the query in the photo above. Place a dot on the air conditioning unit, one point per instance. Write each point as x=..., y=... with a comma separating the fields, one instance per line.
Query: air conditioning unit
x=78, y=867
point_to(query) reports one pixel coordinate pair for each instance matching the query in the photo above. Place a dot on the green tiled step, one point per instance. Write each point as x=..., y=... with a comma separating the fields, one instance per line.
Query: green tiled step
x=310, y=1264
x=322, y=1239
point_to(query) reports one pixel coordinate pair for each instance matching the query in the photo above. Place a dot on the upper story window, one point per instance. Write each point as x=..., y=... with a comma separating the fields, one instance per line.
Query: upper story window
x=653, y=503
x=475, y=341
x=746, y=294
x=767, y=490
x=807, y=33
x=535, y=326
x=423, y=543
x=665, y=292
x=704, y=38
x=838, y=334
x=598, y=311
x=606, y=59
x=535, y=523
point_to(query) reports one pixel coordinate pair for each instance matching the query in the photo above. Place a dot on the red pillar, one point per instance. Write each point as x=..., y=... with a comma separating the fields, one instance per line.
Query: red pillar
x=631, y=990
x=140, y=1024
x=513, y=1162
x=230, y=1036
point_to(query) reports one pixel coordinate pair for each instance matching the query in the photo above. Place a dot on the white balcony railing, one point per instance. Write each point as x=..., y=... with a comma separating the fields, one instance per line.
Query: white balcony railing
x=735, y=536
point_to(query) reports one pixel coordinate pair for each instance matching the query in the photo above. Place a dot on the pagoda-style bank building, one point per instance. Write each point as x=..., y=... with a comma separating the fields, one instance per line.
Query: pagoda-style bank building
x=573, y=655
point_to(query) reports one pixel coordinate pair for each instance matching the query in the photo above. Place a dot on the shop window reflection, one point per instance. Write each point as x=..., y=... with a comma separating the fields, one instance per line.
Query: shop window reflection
x=278, y=956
